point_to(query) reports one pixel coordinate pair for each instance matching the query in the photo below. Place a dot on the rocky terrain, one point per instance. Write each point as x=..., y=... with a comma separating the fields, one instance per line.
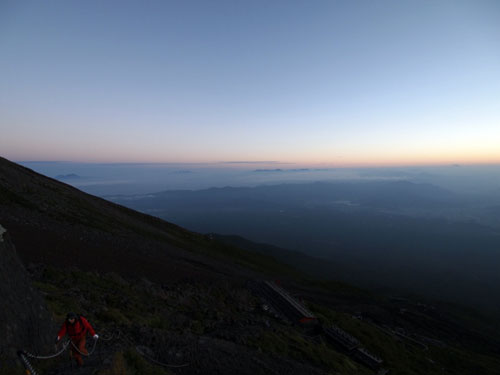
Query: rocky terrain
x=169, y=301
x=24, y=318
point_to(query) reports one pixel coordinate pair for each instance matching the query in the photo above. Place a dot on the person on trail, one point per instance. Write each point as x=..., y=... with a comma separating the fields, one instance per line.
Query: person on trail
x=76, y=327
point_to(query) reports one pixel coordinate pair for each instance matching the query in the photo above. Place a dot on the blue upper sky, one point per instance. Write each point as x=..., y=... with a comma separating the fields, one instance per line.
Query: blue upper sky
x=309, y=82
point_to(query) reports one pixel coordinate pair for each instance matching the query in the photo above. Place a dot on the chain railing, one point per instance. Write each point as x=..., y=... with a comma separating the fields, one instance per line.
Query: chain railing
x=115, y=335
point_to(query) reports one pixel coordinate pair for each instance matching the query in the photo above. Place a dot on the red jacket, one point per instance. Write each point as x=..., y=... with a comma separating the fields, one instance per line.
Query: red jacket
x=77, y=330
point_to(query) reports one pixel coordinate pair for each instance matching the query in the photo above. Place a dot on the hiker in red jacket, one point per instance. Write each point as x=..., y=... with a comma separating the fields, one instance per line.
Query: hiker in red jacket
x=76, y=327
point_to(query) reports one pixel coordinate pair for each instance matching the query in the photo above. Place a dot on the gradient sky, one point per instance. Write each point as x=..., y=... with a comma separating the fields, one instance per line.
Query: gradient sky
x=318, y=82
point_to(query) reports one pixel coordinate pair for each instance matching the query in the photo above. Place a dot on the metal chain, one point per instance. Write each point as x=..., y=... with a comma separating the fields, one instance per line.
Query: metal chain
x=88, y=354
x=27, y=363
x=65, y=345
x=115, y=335
x=24, y=355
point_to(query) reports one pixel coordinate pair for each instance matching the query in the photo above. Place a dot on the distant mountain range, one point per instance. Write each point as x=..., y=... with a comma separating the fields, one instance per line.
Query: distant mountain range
x=290, y=170
x=382, y=234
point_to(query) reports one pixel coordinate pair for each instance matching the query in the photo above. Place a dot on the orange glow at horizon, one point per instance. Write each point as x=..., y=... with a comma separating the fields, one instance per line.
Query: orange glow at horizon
x=342, y=161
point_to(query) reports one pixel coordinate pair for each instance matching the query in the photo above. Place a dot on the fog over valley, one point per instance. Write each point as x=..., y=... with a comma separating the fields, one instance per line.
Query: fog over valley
x=391, y=229
x=134, y=178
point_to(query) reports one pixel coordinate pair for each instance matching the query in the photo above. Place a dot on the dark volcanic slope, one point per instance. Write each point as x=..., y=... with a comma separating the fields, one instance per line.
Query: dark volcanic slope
x=54, y=223
x=219, y=327
x=18, y=316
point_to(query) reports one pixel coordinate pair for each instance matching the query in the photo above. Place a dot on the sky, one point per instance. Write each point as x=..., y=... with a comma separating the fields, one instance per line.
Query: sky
x=334, y=83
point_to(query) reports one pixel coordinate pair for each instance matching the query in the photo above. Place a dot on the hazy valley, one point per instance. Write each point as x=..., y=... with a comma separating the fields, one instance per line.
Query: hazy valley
x=393, y=235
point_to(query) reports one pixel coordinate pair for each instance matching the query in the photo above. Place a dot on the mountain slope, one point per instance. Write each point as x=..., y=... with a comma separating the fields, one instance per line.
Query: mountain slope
x=22, y=307
x=183, y=297
x=57, y=224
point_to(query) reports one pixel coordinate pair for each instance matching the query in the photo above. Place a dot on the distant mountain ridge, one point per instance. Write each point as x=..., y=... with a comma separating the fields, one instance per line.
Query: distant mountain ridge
x=381, y=194
x=375, y=234
x=71, y=176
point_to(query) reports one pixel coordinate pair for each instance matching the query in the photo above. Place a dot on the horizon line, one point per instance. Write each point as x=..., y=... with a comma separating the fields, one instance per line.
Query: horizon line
x=246, y=162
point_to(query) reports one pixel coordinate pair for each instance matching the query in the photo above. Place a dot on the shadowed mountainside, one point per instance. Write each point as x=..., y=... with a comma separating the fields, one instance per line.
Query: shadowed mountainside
x=22, y=307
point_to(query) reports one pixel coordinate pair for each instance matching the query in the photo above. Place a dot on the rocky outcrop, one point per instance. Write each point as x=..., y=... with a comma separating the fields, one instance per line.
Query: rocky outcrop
x=25, y=322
